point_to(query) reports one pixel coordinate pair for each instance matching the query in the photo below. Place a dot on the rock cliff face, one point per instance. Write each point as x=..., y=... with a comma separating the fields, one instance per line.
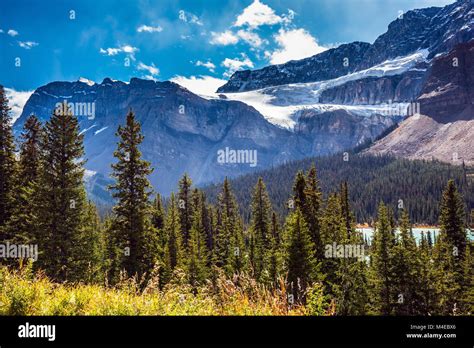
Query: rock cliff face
x=324, y=66
x=445, y=128
x=437, y=29
x=340, y=130
x=183, y=132
x=377, y=90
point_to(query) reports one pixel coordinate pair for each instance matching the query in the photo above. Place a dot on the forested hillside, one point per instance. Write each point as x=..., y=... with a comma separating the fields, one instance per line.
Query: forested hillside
x=414, y=185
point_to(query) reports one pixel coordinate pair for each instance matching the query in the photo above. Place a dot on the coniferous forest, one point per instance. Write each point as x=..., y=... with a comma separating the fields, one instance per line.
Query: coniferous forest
x=199, y=252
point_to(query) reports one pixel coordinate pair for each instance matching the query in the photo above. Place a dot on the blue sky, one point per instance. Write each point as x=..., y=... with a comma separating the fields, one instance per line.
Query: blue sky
x=176, y=39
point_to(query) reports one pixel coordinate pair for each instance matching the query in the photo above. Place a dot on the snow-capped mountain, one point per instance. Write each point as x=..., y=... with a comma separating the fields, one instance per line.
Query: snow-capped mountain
x=435, y=29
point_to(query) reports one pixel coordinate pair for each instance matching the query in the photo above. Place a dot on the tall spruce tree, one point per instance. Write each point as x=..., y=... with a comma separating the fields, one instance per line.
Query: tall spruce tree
x=275, y=252
x=300, y=261
x=135, y=238
x=173, y=253
x=450, y=250
x=452, y=220
x=332, y=233
x=62, y=198
x=158, y=215
x=23, y=223
x=92, y=265
x=230, y=247
x=157, y=220
x=406, y=270
x=185, y=207
x=197, y=253
x=427, y=279
x=384, y=293
x=260, y=229
x=349, y=283
x=312, y=212
x=8, y=166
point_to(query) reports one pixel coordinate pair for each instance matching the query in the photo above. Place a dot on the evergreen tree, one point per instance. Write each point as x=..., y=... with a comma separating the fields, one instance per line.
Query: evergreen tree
x=427, y=286
x=229, y=235
x=157, y=220
x=467, y=286
x=173, y=251
x=350, y=279
x=299, y=195
x=448, y=292
x=452, y=220
x=92, y=265
x=275, y=253
x=301, y=265
x=185, y=208
x=158, y=215
x=347, y=215
x=312, y=212
x=450, y=250
x=61, y=197
x=23, y=223
x=134, y=235
x=197, y=254
x=406, y=270
x=8, y=169
x=382, y=263
x=332, y=231
x=260, y=229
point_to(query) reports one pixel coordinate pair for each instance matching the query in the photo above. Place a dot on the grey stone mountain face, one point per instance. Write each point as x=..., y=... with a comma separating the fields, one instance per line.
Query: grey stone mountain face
x=213, y=138
x=184, y=132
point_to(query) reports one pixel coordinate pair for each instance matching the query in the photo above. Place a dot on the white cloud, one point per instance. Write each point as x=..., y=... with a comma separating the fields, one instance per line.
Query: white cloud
x=202, y=85
x=152, y=70
x=210, y=65
x=1, y=31
x=149, y=29
x=250, y=37
x=112, y=51
x=150, y=77
x=225, y=38
x=257, y=14
x=16, y=101
x=294, y=44
x=27, y=44
x=12, y=32
x=235, y=64
x=188, y=17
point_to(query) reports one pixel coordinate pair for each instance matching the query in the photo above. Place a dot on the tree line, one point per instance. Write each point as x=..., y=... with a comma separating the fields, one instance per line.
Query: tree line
x=43, y=202
x=416, y=184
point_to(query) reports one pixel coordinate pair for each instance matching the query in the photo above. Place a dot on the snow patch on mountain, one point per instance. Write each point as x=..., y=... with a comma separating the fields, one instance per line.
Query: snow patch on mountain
x=86, y=81
x=279, y=104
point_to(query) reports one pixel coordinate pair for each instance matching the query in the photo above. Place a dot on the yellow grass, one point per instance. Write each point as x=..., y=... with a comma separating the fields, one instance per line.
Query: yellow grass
x=24, y=293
